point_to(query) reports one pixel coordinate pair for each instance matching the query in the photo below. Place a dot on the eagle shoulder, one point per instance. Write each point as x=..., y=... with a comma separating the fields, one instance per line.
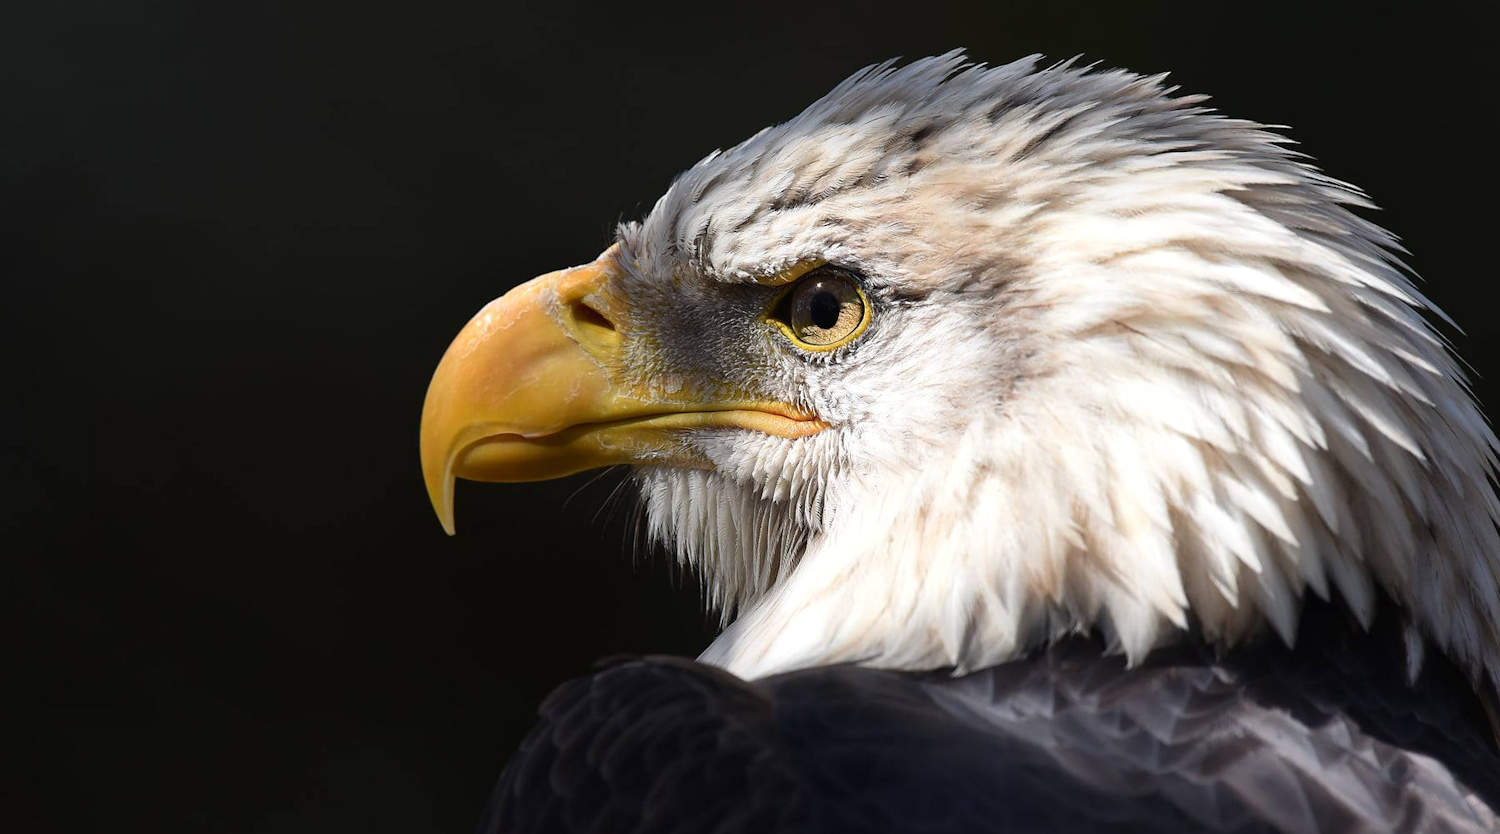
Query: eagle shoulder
x=1319, y=738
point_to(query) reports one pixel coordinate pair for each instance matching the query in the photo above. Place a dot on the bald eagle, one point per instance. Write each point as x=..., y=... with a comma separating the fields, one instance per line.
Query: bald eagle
x=1061, y=454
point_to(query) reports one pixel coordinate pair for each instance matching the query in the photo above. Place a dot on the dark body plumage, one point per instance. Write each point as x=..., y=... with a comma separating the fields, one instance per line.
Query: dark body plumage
x=1326, y=737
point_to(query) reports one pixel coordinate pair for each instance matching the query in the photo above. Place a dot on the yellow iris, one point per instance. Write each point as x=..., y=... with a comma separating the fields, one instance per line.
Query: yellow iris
x=824, y=310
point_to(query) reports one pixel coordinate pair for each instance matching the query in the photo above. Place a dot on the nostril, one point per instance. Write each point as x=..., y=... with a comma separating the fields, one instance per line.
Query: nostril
x=586, y=315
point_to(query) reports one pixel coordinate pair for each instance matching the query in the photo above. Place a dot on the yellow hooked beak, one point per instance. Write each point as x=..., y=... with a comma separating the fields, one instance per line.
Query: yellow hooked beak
x=533, y=388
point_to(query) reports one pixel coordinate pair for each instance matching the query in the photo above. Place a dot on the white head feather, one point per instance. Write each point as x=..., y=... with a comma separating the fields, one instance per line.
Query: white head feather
x=1134, y=367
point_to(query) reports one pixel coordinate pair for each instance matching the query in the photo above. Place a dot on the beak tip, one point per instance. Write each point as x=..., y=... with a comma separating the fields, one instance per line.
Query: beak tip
x=445, y=517
x=440, y=493
x=442, y=504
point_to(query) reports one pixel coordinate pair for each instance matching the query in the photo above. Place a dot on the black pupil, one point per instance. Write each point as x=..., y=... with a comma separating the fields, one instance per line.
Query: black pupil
x=824, y=308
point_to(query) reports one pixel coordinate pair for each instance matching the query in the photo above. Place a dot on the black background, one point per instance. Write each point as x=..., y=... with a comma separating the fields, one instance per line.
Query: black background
x=237, y=240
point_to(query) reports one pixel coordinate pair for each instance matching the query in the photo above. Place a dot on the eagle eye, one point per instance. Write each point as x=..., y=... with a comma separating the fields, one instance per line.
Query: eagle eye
x=824, y=310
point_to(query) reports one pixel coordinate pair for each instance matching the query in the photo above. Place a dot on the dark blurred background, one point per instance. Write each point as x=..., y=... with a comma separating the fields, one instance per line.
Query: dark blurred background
x=238, y=237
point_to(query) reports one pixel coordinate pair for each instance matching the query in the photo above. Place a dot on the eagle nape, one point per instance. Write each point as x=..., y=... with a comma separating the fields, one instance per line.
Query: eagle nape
x=1061, y=454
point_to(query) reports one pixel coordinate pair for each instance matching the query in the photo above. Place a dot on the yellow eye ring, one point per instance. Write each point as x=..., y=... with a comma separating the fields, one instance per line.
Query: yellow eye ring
x=822, y=311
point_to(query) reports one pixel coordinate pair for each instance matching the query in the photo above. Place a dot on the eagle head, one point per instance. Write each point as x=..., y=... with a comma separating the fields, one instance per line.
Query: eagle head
x=963, y=359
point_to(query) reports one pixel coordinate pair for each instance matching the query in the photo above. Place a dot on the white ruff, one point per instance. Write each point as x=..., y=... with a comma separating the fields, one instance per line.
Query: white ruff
x=1135, y=367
